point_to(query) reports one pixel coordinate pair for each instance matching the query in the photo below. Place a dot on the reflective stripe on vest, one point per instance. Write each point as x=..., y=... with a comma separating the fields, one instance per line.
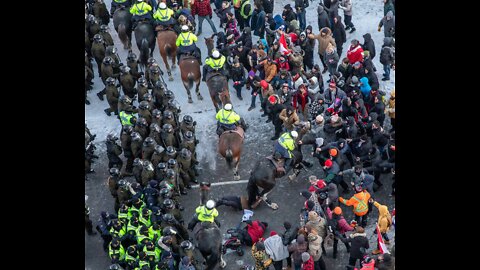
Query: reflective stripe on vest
x=185, y=41
x=141, y=11
x=122, y=215
x=226, y=119
x=283, y=139
x=163, y=17
x=119, y=1
x=362, y=207
x=217, y=65
x=242, y=10
x=130, y=258
x=132, y=228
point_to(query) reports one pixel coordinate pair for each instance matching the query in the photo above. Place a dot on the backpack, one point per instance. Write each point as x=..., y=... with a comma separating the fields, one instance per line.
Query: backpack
x=386, y=55
x=268, y=6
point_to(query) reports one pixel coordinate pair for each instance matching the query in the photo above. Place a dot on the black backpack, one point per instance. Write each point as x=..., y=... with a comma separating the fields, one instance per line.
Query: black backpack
x=268, y=6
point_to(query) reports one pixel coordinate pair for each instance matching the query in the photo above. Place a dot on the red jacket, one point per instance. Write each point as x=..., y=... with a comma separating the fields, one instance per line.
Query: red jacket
x=201, y=8
x=255, y=230
x=308, y=265
x=300, y=98
x=355, y=54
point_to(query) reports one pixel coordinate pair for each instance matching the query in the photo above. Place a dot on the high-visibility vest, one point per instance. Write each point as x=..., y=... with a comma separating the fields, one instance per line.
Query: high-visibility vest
x=242, y=10
x=362, y=206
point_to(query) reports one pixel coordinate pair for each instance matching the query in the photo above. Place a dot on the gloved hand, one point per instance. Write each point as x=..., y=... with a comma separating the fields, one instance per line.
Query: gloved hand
x=379, y=29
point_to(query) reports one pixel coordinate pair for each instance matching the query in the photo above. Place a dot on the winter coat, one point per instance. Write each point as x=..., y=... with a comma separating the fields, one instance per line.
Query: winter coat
x=275, y=248
x=298, y=248
x=288, y=15
x=388, y=23
x=301, y=99
x=358, y=241
x=255, y=230
x=323, y=20
x=270, y=70
x=319, y=224
x=365, y=86
x=332, y=58
x=268, y=92
x=289, y=236
x=387, y=54
x=354, y=54
x=342, y=225
x=388, y=6
x=259, y=257
x=325, y=40
x=289, y=121
x=390, y=108
x=308, y=265
x=362, y=196
x=333, y=9
x=384, y=217
x=369, y=45
x=330, y=97
x=314, y=246
x=339, y=33
x=346, y=5
x=238, y=74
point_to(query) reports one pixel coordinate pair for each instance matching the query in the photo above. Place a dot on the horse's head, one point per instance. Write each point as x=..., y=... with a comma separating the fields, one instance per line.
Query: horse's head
x=205, y=185
x=209, y=42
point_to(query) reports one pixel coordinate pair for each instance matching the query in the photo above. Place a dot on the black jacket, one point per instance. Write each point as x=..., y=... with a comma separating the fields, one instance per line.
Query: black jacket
x=358, y=240
x=338, y=33
x=369, y=45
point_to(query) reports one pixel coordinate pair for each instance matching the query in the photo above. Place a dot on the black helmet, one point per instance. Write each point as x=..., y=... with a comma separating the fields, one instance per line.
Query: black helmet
x=107, y=60
x=186, y=244
x=168, y=217
x=168, y=230
x=114, y=171
x=146, y=163
x=155, y=69
x=159, y=149
x=168, y=114
x=159, y=84
x=146, y=211
x=171, y=163
x=169, y=94
x=131, y=249
x=154, y=127
x=111, y=137
x=110, y=81
x=125, y=99
x=141, y=80
x=168, y=203
x=136, y=136
x=171, y=150
x=98, y=38
x=165, y=193
x=103, y=28
x=111, y=49
x=149, y=141
x=148, y=97
x=185, y=153
x=188, y=135
x=162, y=166
x=144, y=105
x=188, y=119
x=151, y=60
x=131, y=56
x=141, y=122
x=137, y=162
x=156, y=113
x=170, y=173
x=168, y=128
x=128, y=129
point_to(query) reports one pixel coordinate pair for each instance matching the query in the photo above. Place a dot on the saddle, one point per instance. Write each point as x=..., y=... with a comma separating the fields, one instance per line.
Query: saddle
x=239, y=130
x=160, y=28
x=212, y=74
x=187, y=55
x=279, y=164
x=205, y=225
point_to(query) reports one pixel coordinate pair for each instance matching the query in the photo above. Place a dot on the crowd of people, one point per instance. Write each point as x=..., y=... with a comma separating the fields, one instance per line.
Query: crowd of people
x=345, y=114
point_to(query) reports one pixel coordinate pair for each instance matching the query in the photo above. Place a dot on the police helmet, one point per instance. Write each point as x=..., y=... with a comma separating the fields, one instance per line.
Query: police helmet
x=168, y=114
x=114, y=171
x=124, y=69
x=165, y=192
x=188, y=135
x=168, y=217
x=186, y=244
x=228, y=107
x=110, y=81
x=144, y=105
x=137, y=162
x=294, y=134
x=136, y=136
x=188, y=119
x=149, y=141
x=169, y=94
x=171, y=163
x=146, y=163
x=171, y=150
x=210, y=204
x=168, y=230
x=111, y=137
x=185, y=153
x=162, y=166
x=156, y=113
x=151, y=60
x=148, y=97
x=141, y=80
x=103, y=28
x=132, y=56
x=141, y=122
x=107, y=60
x=170, y=173
x=215, y=54
x=98, y=38
x=168, y=203
x=168, y=128
x=184, y=28
x=128, y=129
x=159, y=149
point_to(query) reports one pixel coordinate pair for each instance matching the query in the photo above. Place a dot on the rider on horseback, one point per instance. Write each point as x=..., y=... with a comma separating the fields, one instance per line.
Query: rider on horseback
x=141, y=11
x=186, y=44
x=163, y=17
x=203, y=213
x=117, y=4
x=228, y=119
x=214, y=63
x=284, y=146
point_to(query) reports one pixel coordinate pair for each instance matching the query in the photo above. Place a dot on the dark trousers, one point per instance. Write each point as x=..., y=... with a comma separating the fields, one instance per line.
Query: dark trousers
x=232, y=201
x=277, y=265
x=322, y=59
x=392, y=122
x=335, y=245
x=238, y=88
x=320, y=264
x=362, y=220
x=339, y=49
x=278, y=129
x=308, y=60
x=348, y=21
x=352, y=262
x=88, y=225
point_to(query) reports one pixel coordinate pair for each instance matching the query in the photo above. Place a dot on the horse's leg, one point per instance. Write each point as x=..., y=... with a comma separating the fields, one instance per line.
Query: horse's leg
x=188, y=91
x=236, y=176
x=223, y=263
x=296, y=172
x=270, y=204
x=214, y=102
x=174, y=58
x=197, y=89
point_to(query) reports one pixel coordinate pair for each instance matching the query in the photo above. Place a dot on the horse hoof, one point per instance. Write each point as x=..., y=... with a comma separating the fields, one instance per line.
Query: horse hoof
x=236, y=177
x=190, y=100
x=199, y=97
x=274, y=206
x=125, y=47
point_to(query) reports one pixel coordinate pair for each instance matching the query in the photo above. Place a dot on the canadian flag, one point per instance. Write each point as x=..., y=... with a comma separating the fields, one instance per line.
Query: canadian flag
x=381, y=244
x=283, y=45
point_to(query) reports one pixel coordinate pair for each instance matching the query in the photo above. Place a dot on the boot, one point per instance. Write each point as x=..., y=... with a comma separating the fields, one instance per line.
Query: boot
x=107, y=111
x=100, y=96
x=250, y=108
x=347, y=28
x=385, y=79
x=87, y=102
x=376, y=251
x=353, y=30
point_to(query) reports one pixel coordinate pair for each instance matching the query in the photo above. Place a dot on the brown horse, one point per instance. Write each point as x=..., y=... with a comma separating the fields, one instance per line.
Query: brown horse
x=166, y=44
x=190, y=72
x=218, y=88
x=230, y=147
x=210, y=43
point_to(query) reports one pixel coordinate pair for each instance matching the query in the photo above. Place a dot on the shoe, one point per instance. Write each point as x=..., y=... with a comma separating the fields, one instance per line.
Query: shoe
x=100, y=96
x=261, y=110
x=376, y=251
x=324, y=70
x=268, y=120
x=107, y=111
x=250, y=108
x=347, y=28
x=87, y=102
x=263, y=115
x=385, y=79
x=353, y=30
x=240, y=98
x=274, y=138
x=183, y=192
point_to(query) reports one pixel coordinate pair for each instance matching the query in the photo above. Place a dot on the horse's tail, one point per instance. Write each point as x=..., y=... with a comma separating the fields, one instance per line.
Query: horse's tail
x=144, y=51
x=229, y=157
x=213, y=261
x=191, y=79
x=252, y=190
x=122, y=33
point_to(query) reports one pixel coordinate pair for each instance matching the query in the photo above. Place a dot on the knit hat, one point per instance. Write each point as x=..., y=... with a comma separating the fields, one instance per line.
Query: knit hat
x=312, y=215
x=251, y=73
x=305, y=256
x=337, y=210
x=356, y=64
x=328, y=163
x=272, y=233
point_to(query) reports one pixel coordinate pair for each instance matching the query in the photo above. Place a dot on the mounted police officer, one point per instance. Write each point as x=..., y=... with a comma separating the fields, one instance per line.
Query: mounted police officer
x=228, y=119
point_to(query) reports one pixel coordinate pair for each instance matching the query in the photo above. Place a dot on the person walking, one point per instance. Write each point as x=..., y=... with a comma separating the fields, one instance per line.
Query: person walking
x=203, y=9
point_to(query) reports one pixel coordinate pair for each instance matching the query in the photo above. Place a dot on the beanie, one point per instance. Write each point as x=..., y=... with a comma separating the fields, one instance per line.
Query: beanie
x=305, y=256
x=251, y=73
x=328, y=163
x=337, y=210
x=272, y=233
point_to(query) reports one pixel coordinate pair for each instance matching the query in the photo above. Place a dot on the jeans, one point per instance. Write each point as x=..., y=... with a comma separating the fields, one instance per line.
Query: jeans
x=386, y=70
x=301, y=19
x=277, y=265
x=258, y=23
x=254, y=97
x=239, y=89
x=200, y=22
x=348, y=21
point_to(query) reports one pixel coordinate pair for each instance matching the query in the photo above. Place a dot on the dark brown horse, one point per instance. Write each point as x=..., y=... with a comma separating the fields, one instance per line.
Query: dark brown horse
x=218, y=88
x=166, y=44
x=210, y=43
x=122, y=24
x=230, y=146
x=190, y=72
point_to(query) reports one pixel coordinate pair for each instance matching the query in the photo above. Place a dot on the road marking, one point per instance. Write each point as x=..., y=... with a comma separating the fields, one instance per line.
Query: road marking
x=225, y=183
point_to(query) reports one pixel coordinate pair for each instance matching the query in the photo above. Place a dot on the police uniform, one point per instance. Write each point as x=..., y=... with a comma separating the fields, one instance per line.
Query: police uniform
x=227, y=120
x=169, y=139
x=98, y=52
x=203, y=215
x=186, y=169
x=128, y=84
x=164, y=17
x=285, y=145
x=186, y=44
x=140, y=10
x=113, y=152
x=112, y=98
x=125, y=117
x=212, y=64
x=117, y=3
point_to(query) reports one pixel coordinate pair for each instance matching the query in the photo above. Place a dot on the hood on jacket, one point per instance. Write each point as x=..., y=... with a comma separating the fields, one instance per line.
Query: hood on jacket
x=327, y=30
x=373, y=116
x=320, y=10
x=309, y=27
x=301, y=239
x=367, y=37
x=389, y=15
x=383, y=210
x=388, y=41
x=364, y=80
x=247, y=30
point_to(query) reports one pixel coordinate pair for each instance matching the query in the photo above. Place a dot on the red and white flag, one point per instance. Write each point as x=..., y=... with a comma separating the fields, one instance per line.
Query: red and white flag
x=283, y=45
x=381, y=244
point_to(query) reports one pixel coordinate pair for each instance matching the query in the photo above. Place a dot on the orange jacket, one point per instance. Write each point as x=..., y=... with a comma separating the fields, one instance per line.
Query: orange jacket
x=359, y=202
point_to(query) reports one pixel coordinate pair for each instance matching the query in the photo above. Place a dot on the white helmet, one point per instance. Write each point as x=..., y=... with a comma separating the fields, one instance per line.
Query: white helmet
x=184, y=28
x=294, y=134
x=215, y=54
x=228, y=106
x=139, y=0
x=162, y=6
x=210, y=204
